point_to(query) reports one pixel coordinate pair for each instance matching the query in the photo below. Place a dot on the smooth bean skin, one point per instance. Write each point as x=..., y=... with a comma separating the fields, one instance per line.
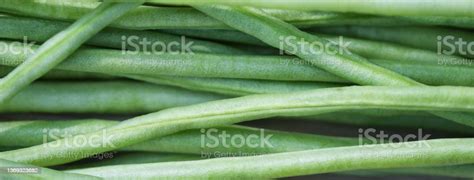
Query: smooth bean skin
x=343, y=64
x=230, y=111
x=282, y=68
x=102, y=97
x=134, y=158
x=235, y=87
x=195, y=65
x=370, y=49
x=461, y=8
x=426, y=38
x=411, y=154
x=392, y=119
x=59, y=47
x=152, y=17
x=272, y=30
x=40, y=30
x=62, y=75
x=218, y=35
x=31, y=133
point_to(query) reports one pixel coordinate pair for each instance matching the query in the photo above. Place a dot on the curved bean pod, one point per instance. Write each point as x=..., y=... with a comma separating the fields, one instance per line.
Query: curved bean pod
x=234, y=87
x=427, y=38
x=179, y=17
x=19, y=28
x=31, y=133
x=224, y=112
x=367, y=48
x=102, y=97
x=332, y=58
x=60, y=47
x=397, y=155
x=462, y=8
x=281, y=68
x=135, y=158
x=61, y=75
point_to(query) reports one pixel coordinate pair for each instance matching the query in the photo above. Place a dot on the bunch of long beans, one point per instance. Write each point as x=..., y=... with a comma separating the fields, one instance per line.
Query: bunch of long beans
x=185, y=71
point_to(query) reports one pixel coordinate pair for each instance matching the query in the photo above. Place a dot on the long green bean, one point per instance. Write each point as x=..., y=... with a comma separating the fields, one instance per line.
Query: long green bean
x=366, y=48
x=462, y=8
x=234, y=87
x=432, y=38
x=60, y=47
x=197, y=65
x=19, y=28
x=135, y=158
x=31, y=133
x=97, y=97
x=412, y=154
x=224, y=112
x=343, y=64
x=218, y=34
x=282, y=68
x=392, y=119
x=62, y=75
x=182, y=17
x=149, y=98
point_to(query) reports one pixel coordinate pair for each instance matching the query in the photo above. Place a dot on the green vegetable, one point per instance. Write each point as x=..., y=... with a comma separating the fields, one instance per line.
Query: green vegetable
x=28, y=133
x=61, y=75
x=181, y=17
x=102, y=97
x=283, y=68
x=411, y=154
x=31, y=133
x=367, y=48
x=426, y=38
x=218, y=35
x=392, y=119
x=60, y=47
x=247, y=108
x=234, y=87
x=461, y=8
x=346, y=65
x=135, y=158
x=18, y=28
